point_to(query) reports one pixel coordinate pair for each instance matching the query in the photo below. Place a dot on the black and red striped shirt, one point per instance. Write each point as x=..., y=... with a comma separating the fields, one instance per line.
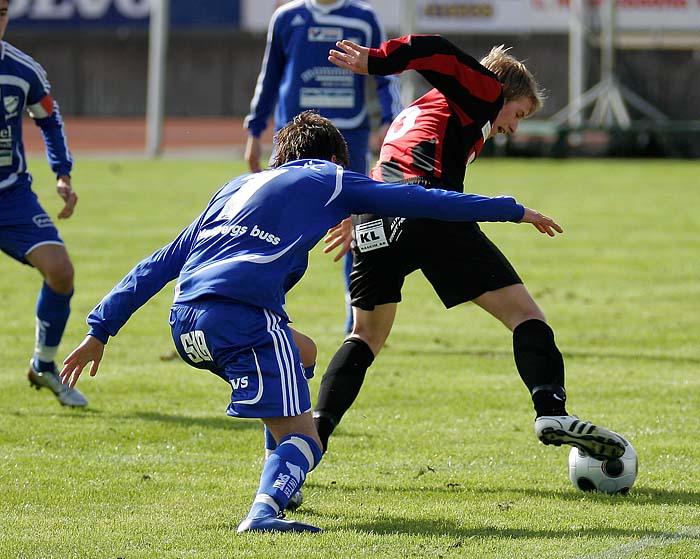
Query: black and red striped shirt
x=440, y=133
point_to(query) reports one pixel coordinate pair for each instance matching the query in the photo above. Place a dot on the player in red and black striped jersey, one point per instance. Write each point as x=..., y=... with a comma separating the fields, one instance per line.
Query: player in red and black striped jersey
x=438, y=135
x=430, y=144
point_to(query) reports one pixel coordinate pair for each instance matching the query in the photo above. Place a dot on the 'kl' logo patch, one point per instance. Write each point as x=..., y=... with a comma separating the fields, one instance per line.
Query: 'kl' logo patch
x=370, y=236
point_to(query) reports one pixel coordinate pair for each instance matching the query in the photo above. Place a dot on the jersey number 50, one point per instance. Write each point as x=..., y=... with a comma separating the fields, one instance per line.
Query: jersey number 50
x=195, y=346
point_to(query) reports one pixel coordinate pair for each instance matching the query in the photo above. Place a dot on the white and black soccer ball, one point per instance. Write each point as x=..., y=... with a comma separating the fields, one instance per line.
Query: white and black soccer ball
x=615, y=476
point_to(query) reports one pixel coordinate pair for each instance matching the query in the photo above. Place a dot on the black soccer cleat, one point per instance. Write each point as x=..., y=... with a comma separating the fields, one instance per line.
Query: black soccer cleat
x=598, y=442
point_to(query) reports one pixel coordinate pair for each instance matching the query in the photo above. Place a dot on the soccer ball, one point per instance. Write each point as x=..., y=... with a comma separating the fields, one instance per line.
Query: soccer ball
x=615, y=476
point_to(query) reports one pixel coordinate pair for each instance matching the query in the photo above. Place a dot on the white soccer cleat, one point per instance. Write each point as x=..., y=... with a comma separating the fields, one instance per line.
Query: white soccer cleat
x=49, y=379
x=295, y=501
x=598, y=442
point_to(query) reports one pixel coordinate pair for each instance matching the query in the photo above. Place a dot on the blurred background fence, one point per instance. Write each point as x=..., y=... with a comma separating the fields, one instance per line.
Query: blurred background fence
x=96, y=53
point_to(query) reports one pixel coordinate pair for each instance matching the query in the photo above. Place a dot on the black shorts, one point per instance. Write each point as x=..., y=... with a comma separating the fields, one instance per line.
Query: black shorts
x=458, y=260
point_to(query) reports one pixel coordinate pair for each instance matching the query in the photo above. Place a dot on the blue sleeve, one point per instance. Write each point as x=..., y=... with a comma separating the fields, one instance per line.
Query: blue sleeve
x=267, y=86
x=388, y=87
x=363, y=195
x=146, y=279
x=57, y=152
x=45, y=112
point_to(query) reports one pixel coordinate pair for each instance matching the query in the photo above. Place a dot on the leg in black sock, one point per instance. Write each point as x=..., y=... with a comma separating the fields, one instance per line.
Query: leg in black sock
x=340, y=385
x=541, y=366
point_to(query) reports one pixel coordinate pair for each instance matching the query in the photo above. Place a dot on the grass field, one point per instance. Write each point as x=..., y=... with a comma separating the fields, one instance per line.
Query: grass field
x=437, y=459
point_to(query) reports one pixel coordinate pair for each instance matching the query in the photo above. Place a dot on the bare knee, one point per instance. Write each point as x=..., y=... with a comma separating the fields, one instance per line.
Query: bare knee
x=372, y=336
x=60, y=277
x=373, y=327
x=55, y=266
x=524, y=315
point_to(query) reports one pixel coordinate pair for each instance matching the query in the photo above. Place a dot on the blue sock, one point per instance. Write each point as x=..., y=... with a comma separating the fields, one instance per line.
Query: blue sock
x=309, y=371
x=284, y=473
x=52, y=312
x=270, y=442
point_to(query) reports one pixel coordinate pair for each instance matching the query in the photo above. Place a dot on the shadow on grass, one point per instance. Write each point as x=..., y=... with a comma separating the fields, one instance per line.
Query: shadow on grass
x=221, y=422
x=638, y=496
x=398, y=525
x=493, y=354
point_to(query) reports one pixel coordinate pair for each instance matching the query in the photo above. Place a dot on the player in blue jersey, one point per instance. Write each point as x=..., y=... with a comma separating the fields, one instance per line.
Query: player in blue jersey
x=297, y=76
x=234, y=265
x=27, y=233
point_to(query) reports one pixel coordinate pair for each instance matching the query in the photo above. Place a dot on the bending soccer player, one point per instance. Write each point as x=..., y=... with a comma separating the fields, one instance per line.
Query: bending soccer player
x=234, y=265
x=430, y=144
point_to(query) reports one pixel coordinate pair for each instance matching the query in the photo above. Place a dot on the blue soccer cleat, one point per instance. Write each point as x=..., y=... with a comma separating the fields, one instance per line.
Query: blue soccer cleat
x=272, y=524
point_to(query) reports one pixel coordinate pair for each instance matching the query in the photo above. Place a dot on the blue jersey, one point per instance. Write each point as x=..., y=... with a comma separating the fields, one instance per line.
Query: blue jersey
x=297, y=76
x=24, y=86
x=251, y=243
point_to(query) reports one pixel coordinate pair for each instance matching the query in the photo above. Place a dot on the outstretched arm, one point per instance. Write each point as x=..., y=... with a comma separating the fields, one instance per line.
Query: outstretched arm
x=90, y=350
x=340, y=236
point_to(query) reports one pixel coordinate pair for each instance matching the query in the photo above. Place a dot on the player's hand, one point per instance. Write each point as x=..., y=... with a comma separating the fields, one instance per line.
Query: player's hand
x=541, y=222
x=65, y=191
x=339, y=236
x=90, y=349
x=252, y=154
x=353, y=57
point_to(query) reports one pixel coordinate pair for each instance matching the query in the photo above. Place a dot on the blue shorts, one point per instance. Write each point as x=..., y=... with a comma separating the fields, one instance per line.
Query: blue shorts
x=24, y=225
x=251, y=348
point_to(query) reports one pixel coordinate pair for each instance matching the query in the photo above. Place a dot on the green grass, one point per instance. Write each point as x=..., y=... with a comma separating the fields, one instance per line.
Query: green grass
x=437, y=458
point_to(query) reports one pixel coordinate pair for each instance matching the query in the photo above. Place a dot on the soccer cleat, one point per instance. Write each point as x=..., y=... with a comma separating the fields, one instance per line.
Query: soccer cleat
x=272, y=524
x=295, y=501
x=598, y=442
x=49, y=379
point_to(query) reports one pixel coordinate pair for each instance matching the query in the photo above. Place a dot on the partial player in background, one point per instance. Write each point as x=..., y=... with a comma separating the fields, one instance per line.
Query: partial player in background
x=430, y=144
x=234, y=265
x=296, y=75
x=27, y=233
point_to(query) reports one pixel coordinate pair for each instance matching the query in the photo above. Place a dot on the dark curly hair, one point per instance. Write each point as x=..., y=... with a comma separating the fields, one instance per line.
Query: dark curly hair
x=310, y=136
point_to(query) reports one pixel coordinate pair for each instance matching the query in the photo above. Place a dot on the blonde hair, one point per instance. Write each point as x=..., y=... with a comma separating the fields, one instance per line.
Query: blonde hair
x=517, y=80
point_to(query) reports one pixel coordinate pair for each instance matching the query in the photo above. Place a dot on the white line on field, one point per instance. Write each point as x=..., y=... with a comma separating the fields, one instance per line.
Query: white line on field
x=661, y=540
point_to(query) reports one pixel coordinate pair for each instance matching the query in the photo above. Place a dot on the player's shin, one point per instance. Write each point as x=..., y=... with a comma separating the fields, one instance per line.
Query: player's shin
x=52, y=312
x=541, y=366
x=340, y=385
x=284, y=473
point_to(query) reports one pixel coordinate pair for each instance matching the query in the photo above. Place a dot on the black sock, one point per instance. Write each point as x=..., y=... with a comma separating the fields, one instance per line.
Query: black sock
x=340, y=385
x=541, y=366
